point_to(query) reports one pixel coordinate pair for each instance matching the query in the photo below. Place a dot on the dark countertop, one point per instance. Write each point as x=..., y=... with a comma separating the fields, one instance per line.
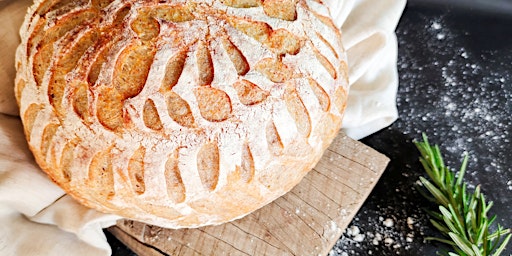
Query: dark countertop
x=455, y=69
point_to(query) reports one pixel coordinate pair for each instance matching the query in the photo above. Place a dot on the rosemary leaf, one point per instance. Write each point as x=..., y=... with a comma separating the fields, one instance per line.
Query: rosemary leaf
x=492, y=219
x=503, y=245
x=439, y=226
x=441, y=240
x=463, y=245
x=498, y=233
x=434, y=191
x=476, y=250
x=463, y=167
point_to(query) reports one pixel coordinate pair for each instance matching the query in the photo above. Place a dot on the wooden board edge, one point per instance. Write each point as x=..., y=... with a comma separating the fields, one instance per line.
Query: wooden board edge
x=380, y=172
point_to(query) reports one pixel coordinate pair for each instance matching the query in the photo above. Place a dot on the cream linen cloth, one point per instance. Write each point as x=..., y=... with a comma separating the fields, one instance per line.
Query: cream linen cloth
x=37, y=218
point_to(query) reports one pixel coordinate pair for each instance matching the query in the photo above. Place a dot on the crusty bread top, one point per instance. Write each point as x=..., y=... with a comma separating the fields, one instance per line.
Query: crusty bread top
x=180, y=113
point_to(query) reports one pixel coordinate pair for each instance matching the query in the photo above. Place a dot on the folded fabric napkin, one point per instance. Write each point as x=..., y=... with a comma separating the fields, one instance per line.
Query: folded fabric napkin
x=38, y=218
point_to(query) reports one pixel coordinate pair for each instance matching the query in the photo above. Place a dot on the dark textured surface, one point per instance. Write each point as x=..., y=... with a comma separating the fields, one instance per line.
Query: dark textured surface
x=455, y=68
x=495, y=7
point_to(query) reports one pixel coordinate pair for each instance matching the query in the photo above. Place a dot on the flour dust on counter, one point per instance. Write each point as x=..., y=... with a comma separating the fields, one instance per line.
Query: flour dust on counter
x=389, y=231
x=456, y=86
x=473, y=100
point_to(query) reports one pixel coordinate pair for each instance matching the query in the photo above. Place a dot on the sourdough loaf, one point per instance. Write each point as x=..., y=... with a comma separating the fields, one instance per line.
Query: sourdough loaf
x=179, y=113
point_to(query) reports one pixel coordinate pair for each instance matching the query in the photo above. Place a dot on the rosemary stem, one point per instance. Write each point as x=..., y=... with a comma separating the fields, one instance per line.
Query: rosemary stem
x=462, y=216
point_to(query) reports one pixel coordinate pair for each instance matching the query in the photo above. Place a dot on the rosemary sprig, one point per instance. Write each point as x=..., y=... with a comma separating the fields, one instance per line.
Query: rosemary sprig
x=462, y=216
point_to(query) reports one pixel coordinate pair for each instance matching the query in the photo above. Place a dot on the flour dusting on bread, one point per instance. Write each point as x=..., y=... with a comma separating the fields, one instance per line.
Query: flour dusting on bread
x=180, y=113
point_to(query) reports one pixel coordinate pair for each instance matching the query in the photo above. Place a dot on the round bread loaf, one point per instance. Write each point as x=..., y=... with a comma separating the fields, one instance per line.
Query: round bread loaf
x=180, y=113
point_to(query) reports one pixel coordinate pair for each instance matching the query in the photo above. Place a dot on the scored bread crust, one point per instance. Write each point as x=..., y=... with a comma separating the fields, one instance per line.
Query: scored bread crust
x=179, y=113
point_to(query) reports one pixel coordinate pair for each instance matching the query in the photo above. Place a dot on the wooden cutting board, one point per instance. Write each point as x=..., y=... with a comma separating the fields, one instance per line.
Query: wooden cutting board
x=306, y=221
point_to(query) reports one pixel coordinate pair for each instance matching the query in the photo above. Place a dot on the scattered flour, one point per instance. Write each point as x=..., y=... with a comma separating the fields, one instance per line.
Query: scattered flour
x=355, y=234
x=469, y=103
x=436, y=25
x=391, y=233
x=388, y=223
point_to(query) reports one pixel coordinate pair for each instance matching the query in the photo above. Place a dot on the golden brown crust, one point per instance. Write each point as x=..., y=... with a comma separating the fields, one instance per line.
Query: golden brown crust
x=179, y=113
